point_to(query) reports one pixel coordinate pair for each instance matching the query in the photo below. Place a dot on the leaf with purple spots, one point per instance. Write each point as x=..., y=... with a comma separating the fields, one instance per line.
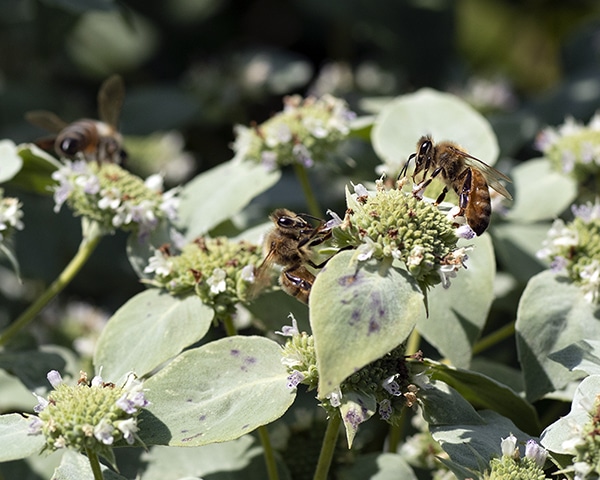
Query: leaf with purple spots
x=359, y=311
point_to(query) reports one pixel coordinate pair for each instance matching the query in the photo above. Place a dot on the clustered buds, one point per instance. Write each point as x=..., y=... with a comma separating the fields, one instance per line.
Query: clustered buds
x=10, y=216
x=305, y=132
x=573, y=148
x=512, y=466
x=89, y=415
x=112, y=197
x=219, y=270
x=386, y=379
x=584, y=443
x=574, y=248
x=397, y=225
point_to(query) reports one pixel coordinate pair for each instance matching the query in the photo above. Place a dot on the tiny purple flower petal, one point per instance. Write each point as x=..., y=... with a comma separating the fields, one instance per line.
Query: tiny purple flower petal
x=287, y=331
x=465, y=231
x=54, y=378
x=35, y=426
x=42, y=403
x=391, y=386
x=537, y=453
x=385, y=409
x=295, y=379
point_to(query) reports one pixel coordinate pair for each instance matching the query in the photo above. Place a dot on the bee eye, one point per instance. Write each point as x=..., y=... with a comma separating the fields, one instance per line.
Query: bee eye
x=286, y=222
x=70, y=146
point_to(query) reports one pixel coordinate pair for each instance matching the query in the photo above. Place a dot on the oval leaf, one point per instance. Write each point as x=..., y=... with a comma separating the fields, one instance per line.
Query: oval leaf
x=552, y=314
x=218, y=194
x=474, y=445
x=36, y=173
x=148, y=330
x=358, y=313
x=15, y=439
x=215, y=393
x=542, y=193
x=9, y=159
x=554, y=437
x=485, y=393
x=444, y=116
x=458, y=314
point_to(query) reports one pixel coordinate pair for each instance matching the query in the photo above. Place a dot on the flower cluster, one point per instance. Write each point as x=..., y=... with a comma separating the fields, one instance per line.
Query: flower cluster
x=511, y=466
x=10, y=216
x=304, y=132
x=386, y=380
x=574, y=248
x=113, y=197
x=573, y=148
x=584, y=444
x=397, y=225
x=90, y=415
x=220, y=271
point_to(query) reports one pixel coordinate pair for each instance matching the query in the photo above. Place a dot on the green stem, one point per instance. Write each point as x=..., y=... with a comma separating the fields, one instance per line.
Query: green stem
x=328, y=447
x=494, y=338
x=263, y=433
x=86, y=248
x=268, y=453
x=394, y=438
x=414, y=342
x=313, y=205
x=94, y=463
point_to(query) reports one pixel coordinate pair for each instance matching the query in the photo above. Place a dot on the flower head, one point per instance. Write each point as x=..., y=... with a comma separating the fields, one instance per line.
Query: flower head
x=511, y=465
x=89, y=415
x=573, y=148
x=397, y=225
x=304, y=132
x=574, y=248
x=220, y=271
x=113, y=197
x=10, y=215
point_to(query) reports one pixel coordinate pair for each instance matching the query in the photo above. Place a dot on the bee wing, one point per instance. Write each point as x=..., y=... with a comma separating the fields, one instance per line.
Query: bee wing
x=110, y=100
x=46, y=120
x=492, y=176
x=262, y=276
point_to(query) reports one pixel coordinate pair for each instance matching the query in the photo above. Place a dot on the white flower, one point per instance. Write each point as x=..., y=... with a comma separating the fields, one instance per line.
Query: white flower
x=104, y=432
x=335, y=398
x=287, y=331
x=35, y=425
x=391, y=386
x=155, y=182
x=295, y=378
x=247, y=274
x=446, y=273
x=110, y=199
x=302, y=154
x=159, y=264
x=360, y=190
x=268, y=158
x=128, y=428
x=508, y=446
x=416, y=256
x=365, y=250
x=89, y=183
x=537, y=453
x=217, y=282
x=42, y=403
x=54, y=378
x=170, y=203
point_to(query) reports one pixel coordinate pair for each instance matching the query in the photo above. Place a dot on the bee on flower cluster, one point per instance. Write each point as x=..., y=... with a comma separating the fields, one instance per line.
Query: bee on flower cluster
x=87, y=139
x=289, y=245
x=468, y=176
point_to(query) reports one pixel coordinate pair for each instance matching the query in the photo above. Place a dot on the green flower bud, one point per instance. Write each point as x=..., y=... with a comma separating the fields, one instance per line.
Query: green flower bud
x=305, y=132
x=220, y=271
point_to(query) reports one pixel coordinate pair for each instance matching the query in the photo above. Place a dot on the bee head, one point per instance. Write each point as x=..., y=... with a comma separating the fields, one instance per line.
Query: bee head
x=424, y=155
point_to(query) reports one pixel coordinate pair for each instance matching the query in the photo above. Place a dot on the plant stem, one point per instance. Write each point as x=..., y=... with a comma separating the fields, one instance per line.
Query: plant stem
x=86, y=248
x=313, y=205
x=494, y=338
x=328, y=447
x=268, y=453
x=94, y=463
x=263, y=433
x=414, y=342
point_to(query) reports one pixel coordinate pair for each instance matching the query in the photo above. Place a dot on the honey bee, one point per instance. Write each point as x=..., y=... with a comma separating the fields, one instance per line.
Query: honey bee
x=288, y=245
x=468, y=176
x=91, y=140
